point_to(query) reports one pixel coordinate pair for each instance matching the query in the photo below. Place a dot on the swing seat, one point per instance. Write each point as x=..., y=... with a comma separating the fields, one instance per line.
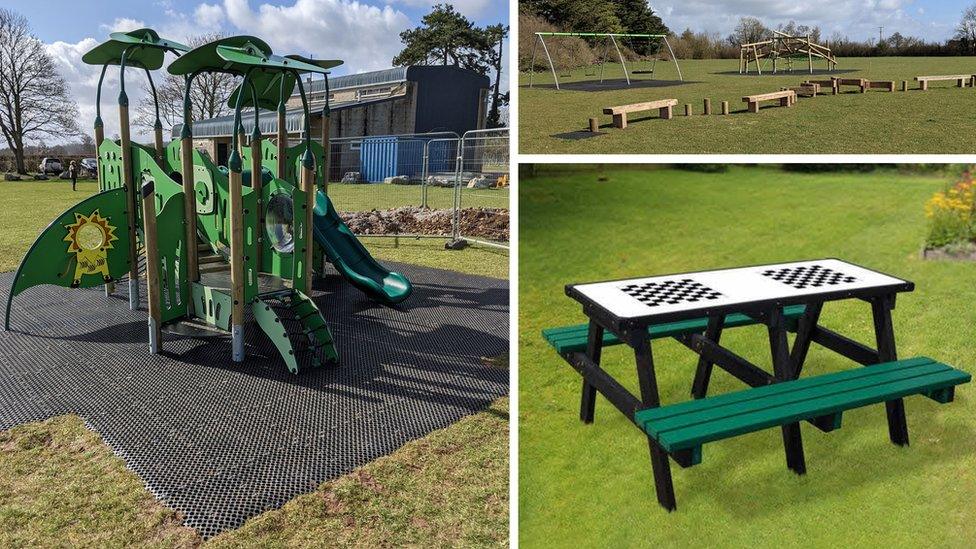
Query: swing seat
x=642, y=72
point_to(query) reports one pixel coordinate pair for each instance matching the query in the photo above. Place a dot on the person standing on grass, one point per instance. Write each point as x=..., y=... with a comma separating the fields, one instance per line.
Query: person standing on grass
x=73, y=174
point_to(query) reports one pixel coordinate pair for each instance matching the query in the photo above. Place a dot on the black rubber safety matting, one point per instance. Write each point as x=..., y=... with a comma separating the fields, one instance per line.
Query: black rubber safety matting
x=610, y=84
x=221, y=442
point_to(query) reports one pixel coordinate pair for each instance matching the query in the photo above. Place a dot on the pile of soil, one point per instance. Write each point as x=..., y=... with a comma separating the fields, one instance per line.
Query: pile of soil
x=487, y=223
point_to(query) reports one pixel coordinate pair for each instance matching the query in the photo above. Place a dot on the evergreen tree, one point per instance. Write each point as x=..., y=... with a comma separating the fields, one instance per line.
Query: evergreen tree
x=446, y=38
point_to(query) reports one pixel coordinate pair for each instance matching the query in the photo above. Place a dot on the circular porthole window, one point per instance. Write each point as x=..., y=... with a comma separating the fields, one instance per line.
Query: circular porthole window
x=278, y=219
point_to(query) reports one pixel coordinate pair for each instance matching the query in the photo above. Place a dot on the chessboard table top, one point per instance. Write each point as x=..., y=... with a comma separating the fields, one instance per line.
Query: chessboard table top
x=678, y=296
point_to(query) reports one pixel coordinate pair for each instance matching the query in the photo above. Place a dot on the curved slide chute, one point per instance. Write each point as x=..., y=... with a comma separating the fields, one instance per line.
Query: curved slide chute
x=351, y=258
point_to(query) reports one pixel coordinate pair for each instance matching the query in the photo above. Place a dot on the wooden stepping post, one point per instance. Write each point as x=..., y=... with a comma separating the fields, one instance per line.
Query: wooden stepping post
x=904, y=85
x=708, y=107
x=687, y=109
x=725, y=107
x=594, y=125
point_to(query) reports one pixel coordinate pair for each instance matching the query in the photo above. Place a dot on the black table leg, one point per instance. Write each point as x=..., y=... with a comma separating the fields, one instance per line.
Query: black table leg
x=713, y=332
x=594, y=346
x=650, y=399
x=784, y=371
x=884, y=333
x=806, y=325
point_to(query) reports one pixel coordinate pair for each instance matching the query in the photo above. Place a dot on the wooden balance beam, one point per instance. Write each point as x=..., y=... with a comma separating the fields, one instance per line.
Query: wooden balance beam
x=832, y=84
x=804, y=90
x=786, y=98
x=923, y=81
x=619, y=113
x=887, y=85
x=859, y=83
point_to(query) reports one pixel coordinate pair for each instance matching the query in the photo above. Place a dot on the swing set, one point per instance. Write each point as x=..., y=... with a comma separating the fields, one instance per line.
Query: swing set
x=643, y=66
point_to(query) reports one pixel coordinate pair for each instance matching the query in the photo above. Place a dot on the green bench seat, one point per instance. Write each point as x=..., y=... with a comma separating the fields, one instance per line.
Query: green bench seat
x=569, y=339
x=687, y=425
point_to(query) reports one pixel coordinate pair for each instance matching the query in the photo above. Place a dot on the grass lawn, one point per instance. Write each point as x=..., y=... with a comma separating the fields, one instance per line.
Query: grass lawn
x=30, y=205
x=591, y=485
x=353, y=198
x=62, y=486
x=937, y=121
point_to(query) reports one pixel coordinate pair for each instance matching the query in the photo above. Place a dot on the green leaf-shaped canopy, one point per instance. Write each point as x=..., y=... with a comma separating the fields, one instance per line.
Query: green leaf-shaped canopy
x=148, y=52
x=205, y=57
x=267, y=84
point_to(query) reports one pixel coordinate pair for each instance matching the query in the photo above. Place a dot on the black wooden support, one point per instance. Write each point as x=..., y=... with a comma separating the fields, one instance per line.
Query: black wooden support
x=725, y=359
x=884, y=333
x=713, y=332
x=783, y=368
x=594, y=346
x=805, y=327
x=845, y=346
x=650, y=399
x=614, y=392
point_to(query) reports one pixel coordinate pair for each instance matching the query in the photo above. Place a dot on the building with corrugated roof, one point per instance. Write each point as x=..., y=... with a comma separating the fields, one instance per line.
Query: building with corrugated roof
x=395, y=101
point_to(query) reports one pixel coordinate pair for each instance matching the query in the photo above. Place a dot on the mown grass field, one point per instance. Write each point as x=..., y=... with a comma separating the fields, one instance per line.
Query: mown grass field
x=588, y=485
x=62, y=486
x=937, y=121
x=347, y=197
x=28, y=207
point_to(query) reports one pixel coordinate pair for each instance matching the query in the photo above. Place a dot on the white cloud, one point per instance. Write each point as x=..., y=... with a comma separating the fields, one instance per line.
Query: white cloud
x=365, y=37
x=469, y=8
x=856, y=19
x=209, y=15
x=123, y=24
x=83, y=81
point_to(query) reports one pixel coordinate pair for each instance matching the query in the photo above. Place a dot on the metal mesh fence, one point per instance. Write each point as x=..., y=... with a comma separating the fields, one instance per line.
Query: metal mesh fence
x=482, y=195
x=424, y=185
x=384, y=172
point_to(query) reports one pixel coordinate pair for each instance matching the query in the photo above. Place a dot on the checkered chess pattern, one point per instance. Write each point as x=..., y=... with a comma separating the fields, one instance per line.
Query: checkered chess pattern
x=809, y=276
x=670, y=292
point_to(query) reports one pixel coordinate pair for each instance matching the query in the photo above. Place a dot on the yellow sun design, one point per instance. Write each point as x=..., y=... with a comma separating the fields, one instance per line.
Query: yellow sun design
x=90, y=238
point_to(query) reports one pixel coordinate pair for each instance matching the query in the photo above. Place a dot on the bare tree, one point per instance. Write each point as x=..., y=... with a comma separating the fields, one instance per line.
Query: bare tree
x=966, y=31
x=34, y=98
x=208, y=95
x=748, y=31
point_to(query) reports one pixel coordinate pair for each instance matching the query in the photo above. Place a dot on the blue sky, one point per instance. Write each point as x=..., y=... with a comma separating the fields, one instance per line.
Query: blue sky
x=856, y=19
x=363, y=33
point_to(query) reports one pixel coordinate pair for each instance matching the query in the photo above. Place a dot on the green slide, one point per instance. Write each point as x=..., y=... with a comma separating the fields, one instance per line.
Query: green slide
x=351, y=258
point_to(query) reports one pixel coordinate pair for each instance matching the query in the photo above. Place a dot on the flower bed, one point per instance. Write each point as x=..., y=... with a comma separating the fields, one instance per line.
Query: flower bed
x=952, y=216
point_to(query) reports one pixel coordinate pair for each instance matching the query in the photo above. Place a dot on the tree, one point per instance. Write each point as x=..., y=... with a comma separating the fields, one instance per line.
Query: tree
x=495, y=35
x=209, y=93
x=34, y=98
x=446, y=38
x=793, y=29
x=638, y=18
x=749, y=31
x=577, y=15
x=966, y=31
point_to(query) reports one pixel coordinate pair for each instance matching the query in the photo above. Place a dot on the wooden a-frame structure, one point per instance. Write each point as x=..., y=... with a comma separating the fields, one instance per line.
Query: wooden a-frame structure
x=784, y=46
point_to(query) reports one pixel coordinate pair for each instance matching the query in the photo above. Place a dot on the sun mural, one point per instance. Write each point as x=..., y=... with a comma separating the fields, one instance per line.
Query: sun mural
x=90, y=238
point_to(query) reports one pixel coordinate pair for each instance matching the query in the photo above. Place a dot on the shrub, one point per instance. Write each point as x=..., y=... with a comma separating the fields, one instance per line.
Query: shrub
x=952, y=214
x=704, y=168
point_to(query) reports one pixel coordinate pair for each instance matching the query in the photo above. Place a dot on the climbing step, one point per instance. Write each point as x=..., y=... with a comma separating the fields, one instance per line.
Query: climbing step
x=297, y=329
x=205, y=260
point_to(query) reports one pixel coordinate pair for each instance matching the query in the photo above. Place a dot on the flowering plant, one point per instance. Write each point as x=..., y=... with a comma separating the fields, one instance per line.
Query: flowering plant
x=952, y=213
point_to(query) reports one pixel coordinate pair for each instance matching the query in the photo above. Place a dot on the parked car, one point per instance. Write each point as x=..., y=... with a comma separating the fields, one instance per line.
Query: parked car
x=50, y=165
x=90, y=165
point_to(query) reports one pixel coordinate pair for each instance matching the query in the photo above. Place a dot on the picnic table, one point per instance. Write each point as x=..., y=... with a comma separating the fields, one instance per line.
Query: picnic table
x=695, y=308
